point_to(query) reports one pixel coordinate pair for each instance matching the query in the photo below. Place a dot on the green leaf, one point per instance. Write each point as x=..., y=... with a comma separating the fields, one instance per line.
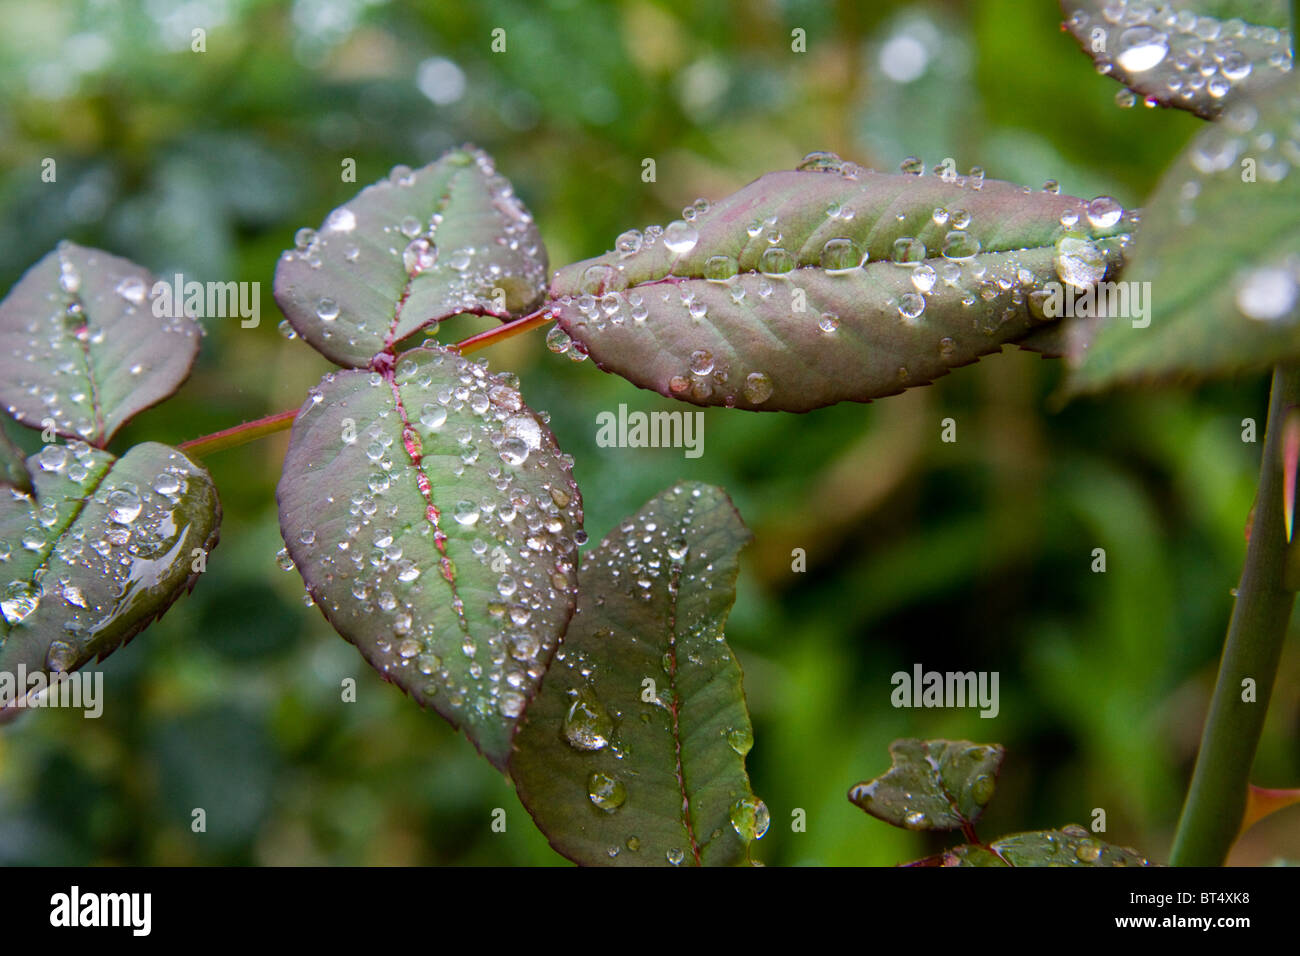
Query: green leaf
x=787, y=296
x=80, y=345
x=434, y=521
x=634, y=752
x=103, y=548
x=1221, y=256
x=13, y=469
x=1071, y=845
x=933, y=784
x=410, y=251
x=1197, y=55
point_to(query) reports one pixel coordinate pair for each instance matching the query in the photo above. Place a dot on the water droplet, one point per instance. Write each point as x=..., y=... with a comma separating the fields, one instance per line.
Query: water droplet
x=1141, y=48
x=775, y=261
x=123, y=506
x=606, y=792
x=341, y=220
x=907, y=251
x=680, y=237
x=959, y=244
x=840, y=255
x=720, y=268
x=1104, y=212
x=923, y=278
x=758, y=387
x=750, y=818
x=586, y=725
x=53, y=458
x=432, y=416
x=828, y=322
x=914, y=820
x=132, y=289
x=1267, y=294
x=740, y=739
x=911, y=305
x=629, y=243
x=420, y=254
x=20, y=600
x=701, y=362
x=675, y=856
x=327, y=310
x=1079, y=262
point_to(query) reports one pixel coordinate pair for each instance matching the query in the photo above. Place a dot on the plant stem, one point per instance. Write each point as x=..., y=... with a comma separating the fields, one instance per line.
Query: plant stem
x=239, y=434
x=1216, y=799
x=502, y=332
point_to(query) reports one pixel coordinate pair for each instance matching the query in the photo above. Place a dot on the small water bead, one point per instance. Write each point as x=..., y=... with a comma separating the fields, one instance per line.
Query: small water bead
x=947, y=347
x=701, y=362
x=341, y=220
x=629, y=243
x=840, y=255
x=923, y=278
x=750, y=818
x=959, y=244
x=757, y=388
x=283, y=560
x=680, y=237
x=19, y=601
x=829, y=322
x=1070, y=218
x=53, y=458
x=1079, y=262
x=327, y=310
x=820, y=161
x=432, y=416
x=1052, y=186
x=1141, y=48
x=775, y=261
x=912, y=166
x=557, y=340
x=914, y=820
x=460, y=259
x=606, y=792
x=911, y=305
x=907, y=251
x=1125, y=98
x=419, y=255
x=675, y=856
x=514, y=451
x=60, y=657
x=524, y=427
x=1104, y=212
x=740, y=739
x=132, y=289
x=720, y=268
x=124, y=506
x=1267, y=294
x=940, y=216
x=586, y=725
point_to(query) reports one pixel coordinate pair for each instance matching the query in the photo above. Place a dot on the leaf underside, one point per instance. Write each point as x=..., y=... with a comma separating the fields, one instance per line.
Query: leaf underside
x=1196, y=55
x=633, y=754
x=1221, y=256
x=433, y=520
x=1072, y=845
x=409, y=251
x=932, y=784
x=80, y=345
x=786, y=296
x=104, y=547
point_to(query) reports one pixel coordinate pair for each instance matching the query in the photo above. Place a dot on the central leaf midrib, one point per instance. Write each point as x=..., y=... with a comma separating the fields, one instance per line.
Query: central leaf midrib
x=443, y=201
x=86, y=354
x=680, y=770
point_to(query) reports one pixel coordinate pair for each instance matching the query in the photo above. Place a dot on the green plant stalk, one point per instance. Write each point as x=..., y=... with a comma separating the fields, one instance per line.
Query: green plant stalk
x=1216, y=799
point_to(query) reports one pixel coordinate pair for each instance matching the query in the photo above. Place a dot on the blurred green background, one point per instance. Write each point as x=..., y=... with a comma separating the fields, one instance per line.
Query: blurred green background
x=973, y=555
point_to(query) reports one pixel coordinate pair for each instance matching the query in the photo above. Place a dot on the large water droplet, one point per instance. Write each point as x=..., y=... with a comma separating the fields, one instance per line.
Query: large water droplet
x=1079, y=263
x=680, y=237
x=586, y=725
x=1141, y=48
x=606, y=792
x=1267, y=294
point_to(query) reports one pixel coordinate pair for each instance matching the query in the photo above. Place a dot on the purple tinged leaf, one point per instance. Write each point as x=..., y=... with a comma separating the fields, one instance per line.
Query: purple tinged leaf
x=633, y=754
x=1196, y=55
x=1072, y=845
x=80, y=345
x=833, y=283
x=433, y=519
x=409, y=251
x=103, y=547
x=933, y=784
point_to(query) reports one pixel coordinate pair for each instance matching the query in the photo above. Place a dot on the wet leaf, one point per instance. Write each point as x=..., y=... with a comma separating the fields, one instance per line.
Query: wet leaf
x=933, y=784
x=634, y=752
x=1218, y=258
x=1197, y=55
x=13, y=469
x=433, y=519
x=786, y=296
x=104, y=547
x=409, y=251
x=80, y=344
x=1072, y=845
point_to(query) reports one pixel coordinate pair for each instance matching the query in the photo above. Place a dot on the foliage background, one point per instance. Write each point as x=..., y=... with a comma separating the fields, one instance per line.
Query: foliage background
x=972, y=555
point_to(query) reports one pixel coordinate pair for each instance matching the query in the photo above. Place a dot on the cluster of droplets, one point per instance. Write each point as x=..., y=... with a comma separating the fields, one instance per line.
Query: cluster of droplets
x=956, y=778
x=650, y=559
x=941, y=256
x=95, y=562
x=383, y=567
x=1173, y=55
x=358, y=237
x=59, y=362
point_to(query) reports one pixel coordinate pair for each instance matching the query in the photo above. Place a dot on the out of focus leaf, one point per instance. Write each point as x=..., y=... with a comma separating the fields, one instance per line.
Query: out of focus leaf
x=433, y=519
x=832, y=283
x=1071, y=845
x=409, y=251
x=103, y=547
x=933, y=784
x=1197, y=55
x=81, y=345
x=1220, y=250
x=634, y=752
